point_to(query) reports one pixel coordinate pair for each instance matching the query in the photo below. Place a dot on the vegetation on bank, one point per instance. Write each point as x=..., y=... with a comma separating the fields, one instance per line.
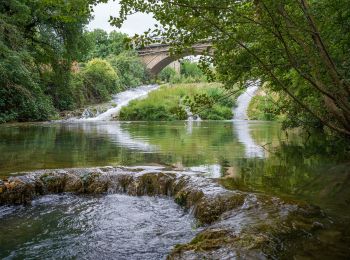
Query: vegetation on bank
x=170, y=102
x=265, y=106
x=190, y=72
x=49, y=63
x=299, y=47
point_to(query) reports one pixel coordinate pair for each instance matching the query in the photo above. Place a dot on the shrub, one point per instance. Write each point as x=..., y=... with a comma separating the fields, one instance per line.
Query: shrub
x=168, y=103
x=264, y=108
x=21, y=98
x=190, y=69
x=98, y=80
x=131, y=70
x=217, y=112
x=19, y=104
x=167, y=74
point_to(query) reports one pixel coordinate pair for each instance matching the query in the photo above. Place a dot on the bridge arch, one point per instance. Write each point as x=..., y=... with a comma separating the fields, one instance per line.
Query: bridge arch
x=156, y=57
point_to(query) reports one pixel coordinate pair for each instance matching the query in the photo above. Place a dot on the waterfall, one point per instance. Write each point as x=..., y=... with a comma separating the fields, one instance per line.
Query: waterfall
x=240, y=112
x=122, y=99
x=191, y=116
x=242, y=128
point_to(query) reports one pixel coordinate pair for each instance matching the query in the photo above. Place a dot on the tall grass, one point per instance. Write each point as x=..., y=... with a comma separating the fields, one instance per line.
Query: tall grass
x=168, y=103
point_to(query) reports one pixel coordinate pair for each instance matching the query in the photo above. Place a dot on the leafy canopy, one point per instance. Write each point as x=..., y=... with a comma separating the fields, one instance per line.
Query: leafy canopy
x=300, y=48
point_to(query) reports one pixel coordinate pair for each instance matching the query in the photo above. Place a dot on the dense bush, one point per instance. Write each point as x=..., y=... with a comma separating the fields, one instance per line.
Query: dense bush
x=189, y=73
x=17, y=103
x=167, y=74
x=131, y=70
x=170, y=101
x=95, y=83
x=38, y=42
x=264, y=106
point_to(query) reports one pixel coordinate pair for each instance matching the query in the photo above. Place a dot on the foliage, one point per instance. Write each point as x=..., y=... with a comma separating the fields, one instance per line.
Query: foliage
x=190, y=72
x=261, y=108
x=131, y=70
x=96, y=82
x=299, y=47
x=38, y=41
x=167, y=74
x=265, y=106
x=17, y=103
x=101, y=44
x=170, y=101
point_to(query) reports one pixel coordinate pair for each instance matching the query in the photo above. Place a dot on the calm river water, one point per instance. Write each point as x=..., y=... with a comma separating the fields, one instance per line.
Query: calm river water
x=246, y=155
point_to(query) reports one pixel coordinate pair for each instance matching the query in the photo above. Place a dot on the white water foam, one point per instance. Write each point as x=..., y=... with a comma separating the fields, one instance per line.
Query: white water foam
x=241, y=125
x=240, y=112
x=123, y=99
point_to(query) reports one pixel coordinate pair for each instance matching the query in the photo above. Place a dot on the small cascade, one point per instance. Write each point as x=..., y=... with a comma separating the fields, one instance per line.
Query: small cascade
x=240, y=112
x=122, y=99
x=87, y=114
x=191, y=116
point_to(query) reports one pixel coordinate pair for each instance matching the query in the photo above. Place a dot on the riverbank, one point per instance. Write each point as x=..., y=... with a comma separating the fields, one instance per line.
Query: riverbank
x=177, y=101
x=265, y=106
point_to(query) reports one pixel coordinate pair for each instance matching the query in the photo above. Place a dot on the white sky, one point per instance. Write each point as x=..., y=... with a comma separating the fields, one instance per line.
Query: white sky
x=137, y=23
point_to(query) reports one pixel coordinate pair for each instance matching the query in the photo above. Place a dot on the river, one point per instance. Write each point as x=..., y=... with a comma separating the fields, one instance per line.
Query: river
x=245, y=155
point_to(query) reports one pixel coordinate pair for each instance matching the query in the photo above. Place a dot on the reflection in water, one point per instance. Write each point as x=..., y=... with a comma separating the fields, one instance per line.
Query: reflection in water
x=116, y=134
x=306, y=169
x=211, y=171
x=85, y=144
x=189, y=125
x=242, y=129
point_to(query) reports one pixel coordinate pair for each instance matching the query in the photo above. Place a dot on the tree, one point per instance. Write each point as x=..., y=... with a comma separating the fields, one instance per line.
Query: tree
x=132, y=71
x=101, y=44
x=299, y=47
x=38, y=42
x=98, y=80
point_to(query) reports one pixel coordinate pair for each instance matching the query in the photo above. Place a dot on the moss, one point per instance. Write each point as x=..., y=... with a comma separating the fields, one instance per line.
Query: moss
x=93, y=182
x=154, y=184
x=53, y=183
x=181, y=198
x=73, y=183
x=210, y=209
x=206, y=241
x=125, y=182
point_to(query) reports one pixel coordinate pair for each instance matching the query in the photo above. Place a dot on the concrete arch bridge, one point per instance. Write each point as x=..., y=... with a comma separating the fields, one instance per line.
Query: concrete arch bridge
x=157, y=56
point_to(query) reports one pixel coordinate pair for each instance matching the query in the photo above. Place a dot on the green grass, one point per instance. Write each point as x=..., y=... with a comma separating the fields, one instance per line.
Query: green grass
x=169, y=102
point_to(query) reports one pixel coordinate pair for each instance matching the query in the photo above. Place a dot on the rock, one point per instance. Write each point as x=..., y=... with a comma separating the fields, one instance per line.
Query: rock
x=237, y=224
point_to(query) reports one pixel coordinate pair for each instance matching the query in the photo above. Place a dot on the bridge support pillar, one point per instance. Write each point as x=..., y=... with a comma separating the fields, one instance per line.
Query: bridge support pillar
x=175, y=65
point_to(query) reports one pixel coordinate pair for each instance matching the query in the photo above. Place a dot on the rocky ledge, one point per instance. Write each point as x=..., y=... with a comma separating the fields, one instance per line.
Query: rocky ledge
x=236, y=224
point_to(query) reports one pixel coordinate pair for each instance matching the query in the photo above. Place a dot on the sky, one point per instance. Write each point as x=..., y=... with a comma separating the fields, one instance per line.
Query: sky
x=137, y=23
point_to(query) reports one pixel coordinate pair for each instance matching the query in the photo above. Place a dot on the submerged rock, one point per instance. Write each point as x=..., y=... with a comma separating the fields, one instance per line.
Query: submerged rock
x=205, y=198
x=237, y=224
